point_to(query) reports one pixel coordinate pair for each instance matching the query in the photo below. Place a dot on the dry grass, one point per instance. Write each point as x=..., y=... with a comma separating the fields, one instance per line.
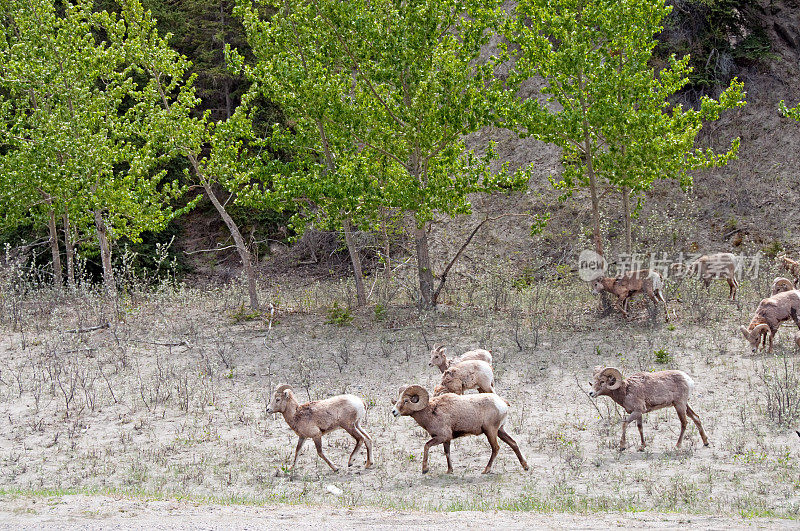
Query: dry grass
x=170, y=399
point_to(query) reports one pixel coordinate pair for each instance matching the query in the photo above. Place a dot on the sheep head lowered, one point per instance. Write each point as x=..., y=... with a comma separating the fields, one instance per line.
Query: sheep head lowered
x=771, y=312
x=449, y=416
x=470, y=374
x=642, y=281
x=643, y=392
x=312, y=420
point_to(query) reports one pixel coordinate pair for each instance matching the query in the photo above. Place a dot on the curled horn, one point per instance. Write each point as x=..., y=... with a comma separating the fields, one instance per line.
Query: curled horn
x=611, y=371
x=745, y=332
x=420, y=394
x=282, y=388
x=761, y=329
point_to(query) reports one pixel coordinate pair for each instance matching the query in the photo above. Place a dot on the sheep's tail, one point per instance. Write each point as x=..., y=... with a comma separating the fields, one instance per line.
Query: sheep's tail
x=658, y=286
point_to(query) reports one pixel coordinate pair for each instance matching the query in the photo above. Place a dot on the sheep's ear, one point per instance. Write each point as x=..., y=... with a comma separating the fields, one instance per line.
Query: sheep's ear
x=415, y=399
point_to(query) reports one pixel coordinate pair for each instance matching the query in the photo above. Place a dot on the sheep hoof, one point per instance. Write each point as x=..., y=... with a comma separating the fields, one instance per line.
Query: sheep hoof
x=368, y=465
x=641, y=448
x=449, y=470
x=424, y=470
x=487, y=471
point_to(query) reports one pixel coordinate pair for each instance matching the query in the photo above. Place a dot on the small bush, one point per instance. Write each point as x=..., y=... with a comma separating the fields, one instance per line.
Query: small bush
x=662, y=356
x=338, y=315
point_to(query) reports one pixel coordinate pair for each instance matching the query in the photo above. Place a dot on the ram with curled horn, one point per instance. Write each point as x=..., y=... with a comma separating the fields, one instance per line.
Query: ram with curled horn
x=312, y=420
x=771, y=312
x=450, y=416
x=643, y=392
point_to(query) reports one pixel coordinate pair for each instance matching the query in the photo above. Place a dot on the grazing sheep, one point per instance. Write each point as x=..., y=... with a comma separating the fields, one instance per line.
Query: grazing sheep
x=470, y=374
x=791, y=266
x=716, y=266
x=312, y=420
x=643, y=392
x=439, y=357
x=779, y=285
x=631, y=283
x=450, y=416
x=771, y=312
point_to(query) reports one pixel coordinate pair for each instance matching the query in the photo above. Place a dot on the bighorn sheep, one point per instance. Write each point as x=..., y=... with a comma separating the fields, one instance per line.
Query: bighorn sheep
x=449, y=416
x=439, y=357
x=631, y=283
x=312, y=420
x=779, y=285
x=470, y=374
x=771, y=312
x=713, y=266
x=793, y=267
x=643, y=392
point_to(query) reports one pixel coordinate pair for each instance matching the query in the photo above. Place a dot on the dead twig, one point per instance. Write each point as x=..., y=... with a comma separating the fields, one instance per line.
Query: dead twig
x=89, y=329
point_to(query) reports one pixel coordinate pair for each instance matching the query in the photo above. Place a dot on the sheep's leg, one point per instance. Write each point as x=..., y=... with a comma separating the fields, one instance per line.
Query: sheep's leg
x=681, y=410
x=355, y=434
x=432, y=442
x=731, y=289
x=622, y=303
x=318, y=444
x=297, y=449
x=696, y=420
x=367, y=443
x=446, y=446
x=492, y=437
x=771, y=336
x=636, y=415
x=641, y=433
x=796, y=320
x=506, y=438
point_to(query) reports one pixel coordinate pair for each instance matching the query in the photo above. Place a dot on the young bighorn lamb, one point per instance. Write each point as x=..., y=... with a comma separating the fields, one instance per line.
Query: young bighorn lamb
x=451, y=416
x=312, y=420
x=771, y=312
x=631, y=283
x=779, y=285
x=439, y=357
x=470, y=374
x=716, y=266
x=643, y=392
x=793, y=267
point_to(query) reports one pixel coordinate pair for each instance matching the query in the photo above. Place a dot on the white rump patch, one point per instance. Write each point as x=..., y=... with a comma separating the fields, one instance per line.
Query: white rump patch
x=357, y=404
x=689, y=381
x=502, y=407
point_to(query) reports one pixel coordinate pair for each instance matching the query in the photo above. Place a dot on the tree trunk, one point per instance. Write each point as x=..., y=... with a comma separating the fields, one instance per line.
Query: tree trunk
x=58, y=279
x=244, y=254
x=588, y=152
x=626, y=206
x=361, y=294
x=105, y=253
x=70, y=251
x=424, y=267
x=387, y=258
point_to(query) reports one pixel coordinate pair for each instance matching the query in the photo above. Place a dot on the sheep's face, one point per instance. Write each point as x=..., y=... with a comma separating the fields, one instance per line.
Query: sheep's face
x=437, y=358
x=597, y=286
x=602, y=384
x=404, y=405
x=754, y=337
x=278, y=404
